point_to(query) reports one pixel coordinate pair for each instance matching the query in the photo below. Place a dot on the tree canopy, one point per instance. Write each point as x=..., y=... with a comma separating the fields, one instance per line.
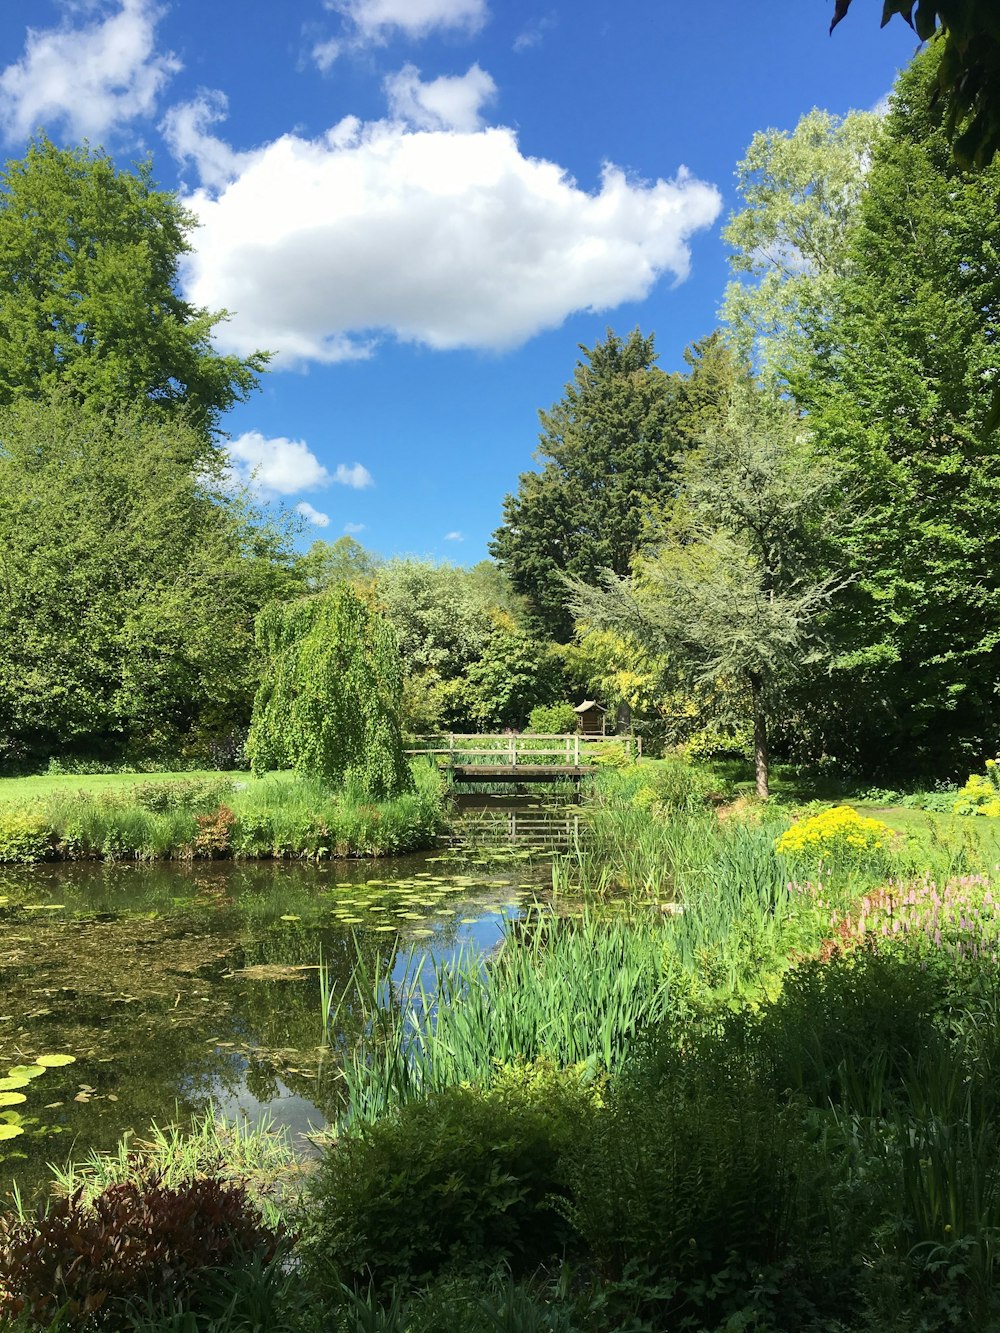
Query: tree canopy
x=969, y=69
x=89, y=300
x=129, y=583
x=609, y=449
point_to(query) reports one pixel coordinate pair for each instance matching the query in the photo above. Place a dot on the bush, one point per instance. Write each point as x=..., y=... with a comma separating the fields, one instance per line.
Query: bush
x=552, y=719
x=24, y=837
x=839, y=832
x=981, y=794
x=137, y=1241
x=191, y=795
x=464, y=1178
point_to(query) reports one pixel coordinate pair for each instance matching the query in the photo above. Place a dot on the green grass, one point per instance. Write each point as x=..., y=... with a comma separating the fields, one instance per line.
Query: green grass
x=23, y=791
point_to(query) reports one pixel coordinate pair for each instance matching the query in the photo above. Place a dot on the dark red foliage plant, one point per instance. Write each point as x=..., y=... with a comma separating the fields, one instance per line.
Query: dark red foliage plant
x=136, y=1241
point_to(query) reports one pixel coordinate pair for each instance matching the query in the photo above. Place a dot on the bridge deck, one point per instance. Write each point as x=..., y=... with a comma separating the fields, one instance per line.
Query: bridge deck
x=519, y=772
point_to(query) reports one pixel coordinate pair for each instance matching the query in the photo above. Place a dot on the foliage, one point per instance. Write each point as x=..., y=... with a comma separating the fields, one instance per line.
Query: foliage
x=328, y=564
x=837, y=832
x=329, y=704
x=462, y=1179
x=89, y=260
x=131, y=579
x=981, y=793
x=24, y=836
x=800, y=193
x=610, y=447
x=969, y=72
x=898, y=391
x=552, y=719
x=737, y=589
x=134, y=1241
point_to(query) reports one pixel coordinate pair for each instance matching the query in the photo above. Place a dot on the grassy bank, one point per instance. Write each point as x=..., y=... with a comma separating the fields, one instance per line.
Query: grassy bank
x=211, y=816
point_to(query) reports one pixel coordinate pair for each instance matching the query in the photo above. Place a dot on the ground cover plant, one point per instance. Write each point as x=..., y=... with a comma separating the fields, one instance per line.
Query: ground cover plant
x=218, y=816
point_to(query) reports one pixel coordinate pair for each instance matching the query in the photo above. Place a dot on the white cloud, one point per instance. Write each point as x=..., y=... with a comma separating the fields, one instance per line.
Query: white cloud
x=278, y=466
x=312, y=515
x=448, y=103
x=185, y=130
x=355, y=476
x=92, y=79
x=437, y=237
x=454, y=537
x=370, y=22
x=533, y=33
x=353, y=528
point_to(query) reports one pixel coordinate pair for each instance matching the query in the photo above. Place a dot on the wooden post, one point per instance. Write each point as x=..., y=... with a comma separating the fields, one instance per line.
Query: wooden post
x=513, y=752
x=576, y=750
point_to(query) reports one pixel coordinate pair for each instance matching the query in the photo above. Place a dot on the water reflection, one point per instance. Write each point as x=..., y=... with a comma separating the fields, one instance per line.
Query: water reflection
x=176, y=986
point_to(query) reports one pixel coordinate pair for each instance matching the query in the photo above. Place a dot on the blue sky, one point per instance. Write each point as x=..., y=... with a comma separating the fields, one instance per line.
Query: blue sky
x=424, y=206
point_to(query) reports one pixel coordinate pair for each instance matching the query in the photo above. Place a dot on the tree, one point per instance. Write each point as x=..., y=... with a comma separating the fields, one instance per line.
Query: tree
x=327, y=564
x=129, y=583
x=969, y=70
x=800, y=192
x=88, y=292
x=736, y=595
x=899, y=392
x=610, y=447
x=328, y=705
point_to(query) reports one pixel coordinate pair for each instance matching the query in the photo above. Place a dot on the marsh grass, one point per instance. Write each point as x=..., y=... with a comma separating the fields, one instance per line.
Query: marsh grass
x=262, y=1157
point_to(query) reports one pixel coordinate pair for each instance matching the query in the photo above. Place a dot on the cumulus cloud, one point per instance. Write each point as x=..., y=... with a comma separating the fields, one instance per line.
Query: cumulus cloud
x=533, y=33
x=454, y=537
x=449, y=103
x=277, y=466
x=92, y=79
x=371, y=22
x=353, y=528
x=185, y=129
x=445, y=238
x=313, y=516
x=355, y=476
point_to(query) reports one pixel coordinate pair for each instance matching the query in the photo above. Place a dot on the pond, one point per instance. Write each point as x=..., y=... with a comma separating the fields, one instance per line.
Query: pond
x=175, y=987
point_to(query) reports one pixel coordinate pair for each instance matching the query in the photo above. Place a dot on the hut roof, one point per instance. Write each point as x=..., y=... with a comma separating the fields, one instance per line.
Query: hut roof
x=587, y=705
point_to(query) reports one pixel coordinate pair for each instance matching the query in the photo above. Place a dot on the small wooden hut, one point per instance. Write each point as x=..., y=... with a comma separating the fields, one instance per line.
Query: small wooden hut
x=590, y=718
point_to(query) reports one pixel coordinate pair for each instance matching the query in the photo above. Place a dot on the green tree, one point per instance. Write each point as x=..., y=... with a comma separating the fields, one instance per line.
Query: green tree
x=899, y=391
x=89, y=299
x=790, y=240
x=969, y=71
x=735, y=597
x=329, y=703
x=610, y=448
x=327, y=564
x=129, y=583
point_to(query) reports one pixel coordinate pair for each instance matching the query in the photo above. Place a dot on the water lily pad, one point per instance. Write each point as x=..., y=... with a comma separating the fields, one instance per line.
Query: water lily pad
x=12, y=1098
x=10, y=1131
x=55, y=1061
x=291, y=917
x=25, y=1071
x=421, y=932
x=12, y=1084
x=44, y=907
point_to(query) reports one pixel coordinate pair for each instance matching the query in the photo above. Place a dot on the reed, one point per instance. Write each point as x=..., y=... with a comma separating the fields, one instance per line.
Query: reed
x=574, y=991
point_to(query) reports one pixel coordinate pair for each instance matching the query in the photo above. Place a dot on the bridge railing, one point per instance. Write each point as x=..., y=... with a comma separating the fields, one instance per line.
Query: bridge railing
x=561, y=750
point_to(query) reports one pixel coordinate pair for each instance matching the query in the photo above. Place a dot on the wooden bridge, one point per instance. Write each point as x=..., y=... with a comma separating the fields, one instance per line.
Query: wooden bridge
x=478, y=758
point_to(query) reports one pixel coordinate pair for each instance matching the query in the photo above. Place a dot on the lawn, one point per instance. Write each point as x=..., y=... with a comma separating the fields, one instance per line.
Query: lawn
x=22, y=791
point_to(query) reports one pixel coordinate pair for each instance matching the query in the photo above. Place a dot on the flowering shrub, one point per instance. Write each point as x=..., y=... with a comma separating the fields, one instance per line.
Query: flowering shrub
x=980, y=795
x=960, y=918
x=836, y=832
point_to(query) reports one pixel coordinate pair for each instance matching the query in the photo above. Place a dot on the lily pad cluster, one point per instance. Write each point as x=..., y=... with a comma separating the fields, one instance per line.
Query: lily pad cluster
x=12, y=1121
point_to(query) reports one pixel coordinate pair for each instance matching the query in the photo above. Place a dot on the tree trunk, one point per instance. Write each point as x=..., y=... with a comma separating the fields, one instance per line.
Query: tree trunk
x=760, y=756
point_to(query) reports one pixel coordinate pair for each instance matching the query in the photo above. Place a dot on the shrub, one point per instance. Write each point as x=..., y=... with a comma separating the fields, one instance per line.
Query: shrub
x=552, y=719
x=215, y=832
x=190, y=794
x=981, y=794
x=460, y=1179
x=24, y=837
x=837, y=832
x=137, y=1241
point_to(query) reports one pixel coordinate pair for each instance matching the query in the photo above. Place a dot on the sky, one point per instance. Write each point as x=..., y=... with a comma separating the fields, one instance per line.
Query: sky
x=423, y=208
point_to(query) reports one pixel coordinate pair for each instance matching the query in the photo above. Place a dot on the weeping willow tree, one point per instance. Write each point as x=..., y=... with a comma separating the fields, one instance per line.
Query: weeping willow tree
x=328, y=705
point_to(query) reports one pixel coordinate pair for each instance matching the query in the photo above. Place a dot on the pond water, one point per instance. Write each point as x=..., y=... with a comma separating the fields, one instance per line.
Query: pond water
x=179, y=986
